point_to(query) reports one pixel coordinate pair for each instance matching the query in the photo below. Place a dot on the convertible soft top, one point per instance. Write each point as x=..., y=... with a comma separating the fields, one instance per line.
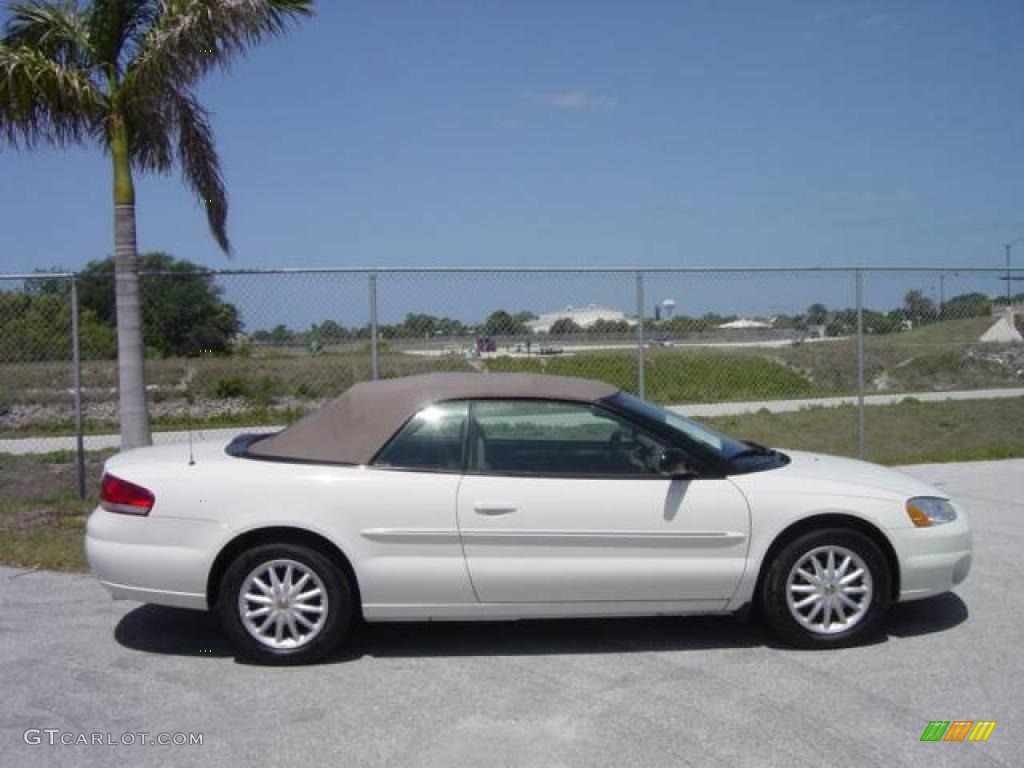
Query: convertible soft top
x=354, y=427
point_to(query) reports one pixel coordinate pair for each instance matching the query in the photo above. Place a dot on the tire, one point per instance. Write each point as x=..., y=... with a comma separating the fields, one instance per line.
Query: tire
x=796, y=606
x=285, y=626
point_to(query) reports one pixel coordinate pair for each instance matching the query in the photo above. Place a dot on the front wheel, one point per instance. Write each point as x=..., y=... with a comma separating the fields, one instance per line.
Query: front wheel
x=284, y=604
x=827, y=588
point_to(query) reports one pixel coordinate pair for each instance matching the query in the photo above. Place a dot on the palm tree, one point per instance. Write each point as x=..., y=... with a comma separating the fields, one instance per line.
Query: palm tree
x=121, y=74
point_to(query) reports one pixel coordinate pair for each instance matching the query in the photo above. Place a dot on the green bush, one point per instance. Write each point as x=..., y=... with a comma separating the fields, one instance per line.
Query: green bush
x=264, y=390
x=310, y=391
x=230, y=386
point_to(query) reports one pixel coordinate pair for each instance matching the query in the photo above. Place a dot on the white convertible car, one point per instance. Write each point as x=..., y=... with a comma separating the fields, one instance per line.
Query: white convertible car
x=494, y=496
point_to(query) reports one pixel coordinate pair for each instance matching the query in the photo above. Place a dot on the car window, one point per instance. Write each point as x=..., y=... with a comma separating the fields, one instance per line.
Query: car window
x=722, y=445
x=430, y=440
x=558, y=438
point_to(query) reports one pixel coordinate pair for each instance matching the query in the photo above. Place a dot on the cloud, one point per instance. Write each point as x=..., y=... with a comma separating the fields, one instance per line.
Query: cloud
x=874, y=197
x=846, y=15
x=877, y=20
x=579, y=98
x=828, y=14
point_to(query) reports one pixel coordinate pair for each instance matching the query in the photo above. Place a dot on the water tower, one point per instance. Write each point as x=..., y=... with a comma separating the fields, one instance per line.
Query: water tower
x=668, y=306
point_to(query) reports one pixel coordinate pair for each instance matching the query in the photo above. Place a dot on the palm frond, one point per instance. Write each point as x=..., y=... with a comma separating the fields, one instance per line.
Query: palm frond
x=189, y=38
x=116, y=28
x=200, y=165
x=151, y=125
x=55, y=29
x=42, y=100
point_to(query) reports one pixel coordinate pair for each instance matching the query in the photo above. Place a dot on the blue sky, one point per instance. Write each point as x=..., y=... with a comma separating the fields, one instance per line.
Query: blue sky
x=587, y=133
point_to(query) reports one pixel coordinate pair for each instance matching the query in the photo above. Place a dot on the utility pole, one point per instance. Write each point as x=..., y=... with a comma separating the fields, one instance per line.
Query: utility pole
x=1009, y=280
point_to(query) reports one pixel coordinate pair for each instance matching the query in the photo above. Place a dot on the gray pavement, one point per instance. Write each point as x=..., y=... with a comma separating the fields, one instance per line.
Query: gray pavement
x=28, y=445
x=648, y=692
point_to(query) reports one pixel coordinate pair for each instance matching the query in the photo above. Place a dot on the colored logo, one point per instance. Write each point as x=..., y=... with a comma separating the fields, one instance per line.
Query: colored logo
x=958, y=730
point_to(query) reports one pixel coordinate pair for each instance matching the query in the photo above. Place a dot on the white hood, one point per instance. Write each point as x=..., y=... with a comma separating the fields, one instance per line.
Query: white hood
x=824, y=473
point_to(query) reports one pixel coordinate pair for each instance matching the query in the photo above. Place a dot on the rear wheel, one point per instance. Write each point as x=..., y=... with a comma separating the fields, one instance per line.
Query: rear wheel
x=827, y=589
x=284, y=604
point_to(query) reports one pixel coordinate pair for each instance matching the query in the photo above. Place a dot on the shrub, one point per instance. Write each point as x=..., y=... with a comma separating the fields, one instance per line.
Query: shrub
x=230, y=386
x=309, y=391
x=264, y=390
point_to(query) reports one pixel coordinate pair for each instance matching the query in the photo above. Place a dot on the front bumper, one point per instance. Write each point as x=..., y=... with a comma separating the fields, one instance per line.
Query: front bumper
x=151, y=559
x=932, y=560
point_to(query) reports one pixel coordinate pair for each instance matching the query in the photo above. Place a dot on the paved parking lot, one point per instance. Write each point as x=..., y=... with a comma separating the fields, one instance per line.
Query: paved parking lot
x=650, y=692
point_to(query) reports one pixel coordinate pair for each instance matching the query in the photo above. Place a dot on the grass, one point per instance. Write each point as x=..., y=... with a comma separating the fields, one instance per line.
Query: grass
x=44, y=535
x=257, y=416
x=42, y=522
x=675, y=376
x=332, y=372
x=910, y=432
x=962, y=331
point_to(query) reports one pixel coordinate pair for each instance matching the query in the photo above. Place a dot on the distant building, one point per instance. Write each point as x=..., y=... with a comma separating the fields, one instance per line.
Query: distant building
x=584, y=317
x=744, y=323
x=1008, y=328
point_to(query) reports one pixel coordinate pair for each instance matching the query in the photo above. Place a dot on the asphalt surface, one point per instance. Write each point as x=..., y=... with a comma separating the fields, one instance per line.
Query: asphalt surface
x=648, y=692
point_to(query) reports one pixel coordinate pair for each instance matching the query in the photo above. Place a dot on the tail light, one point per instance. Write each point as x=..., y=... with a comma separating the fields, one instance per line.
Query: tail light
x=117, y=495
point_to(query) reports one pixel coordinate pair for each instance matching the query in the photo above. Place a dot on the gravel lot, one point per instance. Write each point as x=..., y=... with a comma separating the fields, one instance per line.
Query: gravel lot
x=650, y=692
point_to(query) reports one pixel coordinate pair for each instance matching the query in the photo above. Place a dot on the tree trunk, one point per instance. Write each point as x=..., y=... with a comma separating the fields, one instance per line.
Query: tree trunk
x=131, y=376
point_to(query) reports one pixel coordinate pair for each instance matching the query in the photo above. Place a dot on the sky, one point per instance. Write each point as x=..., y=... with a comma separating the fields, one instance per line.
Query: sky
x=683, y=133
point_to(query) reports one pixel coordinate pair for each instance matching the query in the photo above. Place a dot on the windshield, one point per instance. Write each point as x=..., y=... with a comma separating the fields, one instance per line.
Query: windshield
x=727, y=447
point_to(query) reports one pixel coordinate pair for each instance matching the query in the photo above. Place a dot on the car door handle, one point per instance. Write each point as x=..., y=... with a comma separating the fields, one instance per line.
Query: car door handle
x=494, y=507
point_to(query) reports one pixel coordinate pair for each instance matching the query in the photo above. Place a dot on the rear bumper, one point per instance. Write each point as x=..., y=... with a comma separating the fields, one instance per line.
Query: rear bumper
x=151, y=559
x=932, y=560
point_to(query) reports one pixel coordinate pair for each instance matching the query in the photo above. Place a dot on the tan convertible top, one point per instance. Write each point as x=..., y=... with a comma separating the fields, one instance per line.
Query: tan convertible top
x=353, y=428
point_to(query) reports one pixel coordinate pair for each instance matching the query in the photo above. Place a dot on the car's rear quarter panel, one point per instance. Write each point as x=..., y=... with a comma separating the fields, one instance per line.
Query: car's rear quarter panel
x=397, y=529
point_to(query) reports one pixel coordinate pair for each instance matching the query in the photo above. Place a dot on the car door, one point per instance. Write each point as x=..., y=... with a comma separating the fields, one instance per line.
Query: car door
x=409, y=550
x=563, y=502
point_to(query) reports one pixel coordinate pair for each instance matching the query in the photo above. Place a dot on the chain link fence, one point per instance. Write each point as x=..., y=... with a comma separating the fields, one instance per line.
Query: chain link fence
x=890, y=364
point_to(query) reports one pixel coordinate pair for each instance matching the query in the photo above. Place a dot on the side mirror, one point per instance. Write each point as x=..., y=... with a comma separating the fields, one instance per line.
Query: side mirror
x=674, y=464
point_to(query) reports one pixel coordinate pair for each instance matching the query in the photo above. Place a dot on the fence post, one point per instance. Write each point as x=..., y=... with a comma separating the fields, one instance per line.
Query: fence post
x=859, y=292
x=374, y=356
x=76, y=377
x=641, y=383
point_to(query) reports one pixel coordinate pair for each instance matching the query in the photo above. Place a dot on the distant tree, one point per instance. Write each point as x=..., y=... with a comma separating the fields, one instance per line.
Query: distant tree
x=683, y=324
x=183, y=312
x=501, y=323
x=329, y=332
x=279, y=335
x=604, y=327
x=419, y=325
x=35, y=325
x=879, y=322
x=842, y=322
x=564, y=326
x=1000, y=300
x=788, y=322
x=968, y=305
x=817, y=314
x=524, y=316
x=920, y=309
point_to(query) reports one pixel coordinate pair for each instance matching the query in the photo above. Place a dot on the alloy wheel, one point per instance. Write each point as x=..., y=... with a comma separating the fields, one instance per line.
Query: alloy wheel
x=283, y=604
x=829, y=590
